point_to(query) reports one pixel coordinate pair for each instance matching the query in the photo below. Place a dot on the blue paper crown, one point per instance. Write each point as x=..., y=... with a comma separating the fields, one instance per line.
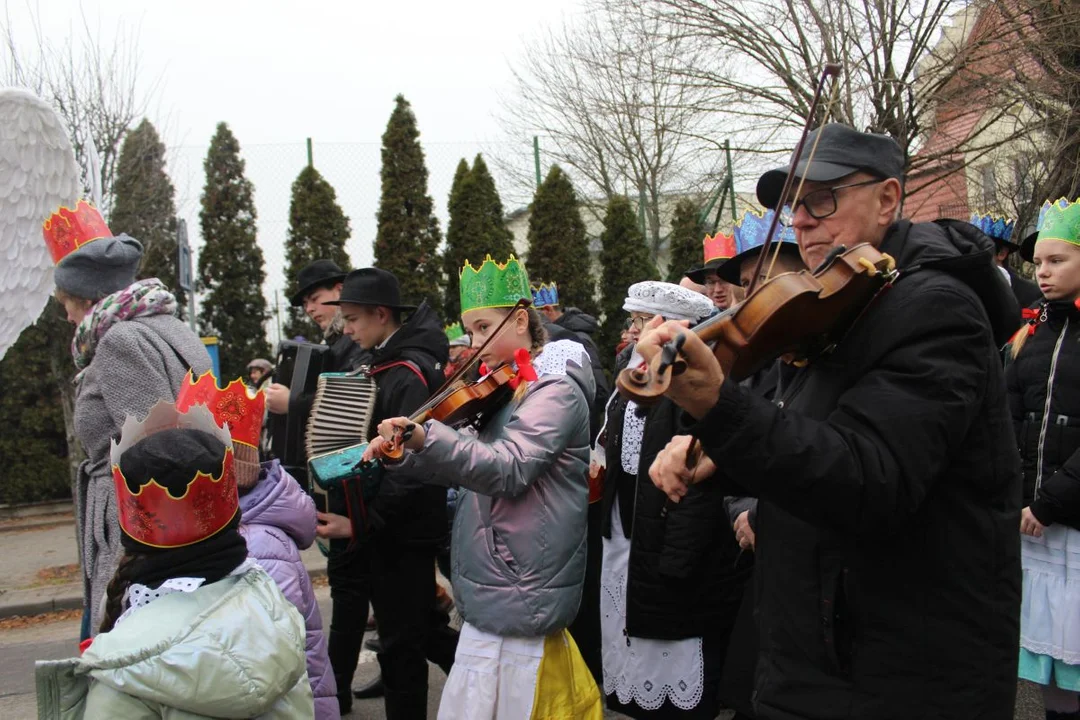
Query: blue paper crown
x=545, y=294
x=751, y=229
x=999, y=228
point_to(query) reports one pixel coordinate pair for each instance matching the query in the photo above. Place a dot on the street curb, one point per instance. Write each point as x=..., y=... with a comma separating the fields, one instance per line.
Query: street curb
x=74, y=601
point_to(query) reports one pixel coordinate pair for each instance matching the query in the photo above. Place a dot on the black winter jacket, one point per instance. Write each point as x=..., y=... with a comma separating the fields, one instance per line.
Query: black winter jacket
x=686, y=575
x=406, y=511
x=888, y=559
x=1048, y=433
x=1026, y=292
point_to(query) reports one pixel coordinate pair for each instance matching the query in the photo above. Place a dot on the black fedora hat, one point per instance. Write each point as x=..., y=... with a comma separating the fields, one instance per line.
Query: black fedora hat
x=372, y=286
x=698, y=274
x=320, y=272
x=732, y=269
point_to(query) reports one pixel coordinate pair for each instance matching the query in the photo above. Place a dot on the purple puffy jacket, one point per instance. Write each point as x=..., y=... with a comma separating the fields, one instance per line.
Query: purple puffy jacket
x=278, y=520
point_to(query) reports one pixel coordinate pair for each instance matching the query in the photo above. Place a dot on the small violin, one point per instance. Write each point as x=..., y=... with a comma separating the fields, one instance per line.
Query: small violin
x=794, y=314
x=458, y=401
x=457, y=405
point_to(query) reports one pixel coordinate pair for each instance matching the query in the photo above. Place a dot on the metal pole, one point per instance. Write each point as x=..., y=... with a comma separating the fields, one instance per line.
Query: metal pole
x=277, y=313
x=730, y=179
x=536, y=158
x=310, y=161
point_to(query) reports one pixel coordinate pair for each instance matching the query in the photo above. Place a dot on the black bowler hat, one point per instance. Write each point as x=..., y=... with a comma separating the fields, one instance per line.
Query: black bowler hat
x=320, y=272
x=730, y=272
x=841, y=151
x=372, y=286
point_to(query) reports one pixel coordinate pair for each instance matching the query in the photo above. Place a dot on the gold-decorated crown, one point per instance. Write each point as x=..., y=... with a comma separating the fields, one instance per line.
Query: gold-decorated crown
x=67, y=230
x=493, y=285
x=152, y=516
x=235, y=405
x=719, y=247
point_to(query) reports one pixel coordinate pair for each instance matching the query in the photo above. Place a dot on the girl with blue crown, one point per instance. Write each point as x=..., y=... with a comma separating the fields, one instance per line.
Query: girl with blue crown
x=1043, y=378
x=518, y=545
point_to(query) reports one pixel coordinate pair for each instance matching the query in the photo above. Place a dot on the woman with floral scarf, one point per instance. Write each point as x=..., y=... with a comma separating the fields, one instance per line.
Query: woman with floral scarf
x=130, y=350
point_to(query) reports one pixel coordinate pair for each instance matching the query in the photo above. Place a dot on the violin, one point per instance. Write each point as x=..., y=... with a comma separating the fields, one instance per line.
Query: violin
x=458, y=401
x=460, y=404
x=797, y=315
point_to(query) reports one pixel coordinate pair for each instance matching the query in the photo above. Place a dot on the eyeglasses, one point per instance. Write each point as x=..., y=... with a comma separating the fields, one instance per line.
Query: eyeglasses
x=820, y=204
x=639, y=322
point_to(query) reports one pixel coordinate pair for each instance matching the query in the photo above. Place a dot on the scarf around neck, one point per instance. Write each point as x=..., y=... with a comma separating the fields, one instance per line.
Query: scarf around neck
x=143, y=298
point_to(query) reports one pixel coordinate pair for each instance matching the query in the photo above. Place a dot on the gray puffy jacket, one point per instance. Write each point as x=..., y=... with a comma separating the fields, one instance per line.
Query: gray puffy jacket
x=519, y=532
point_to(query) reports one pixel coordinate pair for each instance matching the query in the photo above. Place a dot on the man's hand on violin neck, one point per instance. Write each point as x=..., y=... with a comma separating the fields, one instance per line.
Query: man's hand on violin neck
x=697, y=388
x=669, y=472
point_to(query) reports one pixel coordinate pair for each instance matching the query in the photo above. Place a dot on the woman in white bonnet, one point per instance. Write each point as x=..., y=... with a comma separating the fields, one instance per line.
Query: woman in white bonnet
x=672, y=577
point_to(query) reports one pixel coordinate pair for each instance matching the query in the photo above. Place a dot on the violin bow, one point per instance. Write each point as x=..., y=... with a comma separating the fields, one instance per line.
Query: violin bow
x=444, y=391
x=831, y=70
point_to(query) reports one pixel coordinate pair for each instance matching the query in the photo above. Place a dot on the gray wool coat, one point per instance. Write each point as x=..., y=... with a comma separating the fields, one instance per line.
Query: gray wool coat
x=137, y=363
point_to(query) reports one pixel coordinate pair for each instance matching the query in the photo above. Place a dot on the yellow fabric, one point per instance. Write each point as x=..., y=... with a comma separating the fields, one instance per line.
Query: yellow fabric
x=565, y=689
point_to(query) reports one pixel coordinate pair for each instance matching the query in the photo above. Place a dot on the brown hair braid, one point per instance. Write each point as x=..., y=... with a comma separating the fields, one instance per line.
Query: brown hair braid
x=114, y=595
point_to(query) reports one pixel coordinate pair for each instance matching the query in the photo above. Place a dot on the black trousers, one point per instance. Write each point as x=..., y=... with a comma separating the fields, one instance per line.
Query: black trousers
x=349, y=574
x=585, y=629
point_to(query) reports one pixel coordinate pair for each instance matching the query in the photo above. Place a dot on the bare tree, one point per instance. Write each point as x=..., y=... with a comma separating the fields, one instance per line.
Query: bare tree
x=908, y=72
x=604, y=94
x=92, y=84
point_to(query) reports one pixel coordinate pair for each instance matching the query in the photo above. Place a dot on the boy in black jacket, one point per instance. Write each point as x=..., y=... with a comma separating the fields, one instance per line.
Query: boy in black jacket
x=406, y=522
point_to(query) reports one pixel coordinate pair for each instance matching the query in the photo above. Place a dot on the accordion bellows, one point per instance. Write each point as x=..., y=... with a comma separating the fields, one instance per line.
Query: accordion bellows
x=341, y=414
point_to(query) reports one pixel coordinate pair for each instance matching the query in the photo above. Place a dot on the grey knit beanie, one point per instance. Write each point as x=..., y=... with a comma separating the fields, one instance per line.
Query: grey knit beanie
x=99, y=268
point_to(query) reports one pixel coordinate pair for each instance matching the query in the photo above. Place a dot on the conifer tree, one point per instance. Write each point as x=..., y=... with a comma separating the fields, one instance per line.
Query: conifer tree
x=687, y=233
x=318, y=230
x=407, y=238
x=231, y=271
x=476, y=227
x=144, y=206
x=33, y=446
x=625, y=260
x=457, y=249
x=558, y=246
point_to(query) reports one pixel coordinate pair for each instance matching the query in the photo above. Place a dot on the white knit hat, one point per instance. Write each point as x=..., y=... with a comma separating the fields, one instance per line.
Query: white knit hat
x=667, y=299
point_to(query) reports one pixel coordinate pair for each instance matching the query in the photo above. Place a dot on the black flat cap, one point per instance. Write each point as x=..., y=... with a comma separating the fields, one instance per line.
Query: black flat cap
x=841, y=151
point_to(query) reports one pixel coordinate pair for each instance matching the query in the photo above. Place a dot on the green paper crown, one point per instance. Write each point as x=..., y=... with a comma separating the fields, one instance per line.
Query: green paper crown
x=1062, y=222
x=453, y=331
x=493, y=285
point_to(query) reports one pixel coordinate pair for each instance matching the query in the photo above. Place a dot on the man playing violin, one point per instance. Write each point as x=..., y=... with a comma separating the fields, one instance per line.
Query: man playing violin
x=888, y=573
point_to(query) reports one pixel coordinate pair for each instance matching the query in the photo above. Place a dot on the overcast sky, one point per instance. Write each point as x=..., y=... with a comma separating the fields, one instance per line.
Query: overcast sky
x=279, y=72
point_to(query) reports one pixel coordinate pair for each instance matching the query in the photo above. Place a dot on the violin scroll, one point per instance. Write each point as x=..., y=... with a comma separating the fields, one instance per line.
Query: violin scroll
x=646, y=384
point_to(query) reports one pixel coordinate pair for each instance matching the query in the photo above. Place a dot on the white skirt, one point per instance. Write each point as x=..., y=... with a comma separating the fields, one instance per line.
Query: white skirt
x=641, y=670
x=1050, y=611
x=493, y=677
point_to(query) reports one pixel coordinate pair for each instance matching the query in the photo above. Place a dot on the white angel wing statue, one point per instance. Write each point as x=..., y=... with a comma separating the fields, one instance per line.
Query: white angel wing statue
x=38, y=174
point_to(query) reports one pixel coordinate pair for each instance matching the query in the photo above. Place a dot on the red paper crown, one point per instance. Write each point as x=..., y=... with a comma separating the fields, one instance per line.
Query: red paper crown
x=719, y=247
x=235, y=405
x=68, y=230
x=154, y=517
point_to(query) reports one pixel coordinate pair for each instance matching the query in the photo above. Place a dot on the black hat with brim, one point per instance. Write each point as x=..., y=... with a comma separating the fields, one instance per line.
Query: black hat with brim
x=732, y=269
x=316, y=274
x=1027, y=246
x=371, y=286
x=841, y=151
x=698, y=274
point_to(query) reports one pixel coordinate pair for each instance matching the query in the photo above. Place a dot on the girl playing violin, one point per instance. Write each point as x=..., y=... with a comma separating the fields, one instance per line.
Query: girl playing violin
x=518, y=545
